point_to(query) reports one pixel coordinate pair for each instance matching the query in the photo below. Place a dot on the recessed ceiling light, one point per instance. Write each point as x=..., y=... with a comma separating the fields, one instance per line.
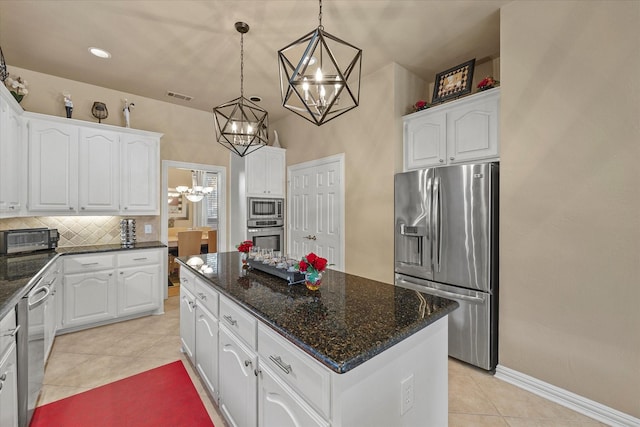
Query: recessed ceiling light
x=100, y=53
x=255, y=98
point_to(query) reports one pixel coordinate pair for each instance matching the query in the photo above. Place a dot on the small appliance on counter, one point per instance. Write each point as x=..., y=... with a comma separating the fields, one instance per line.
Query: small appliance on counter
x=28, y=240
x=128, y=232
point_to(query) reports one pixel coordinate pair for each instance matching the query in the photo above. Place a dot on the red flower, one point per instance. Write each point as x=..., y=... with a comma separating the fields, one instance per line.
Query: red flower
x=320, y=264
x=302, y=266
x=245, y=246
x=312, y=263
x=311, y=258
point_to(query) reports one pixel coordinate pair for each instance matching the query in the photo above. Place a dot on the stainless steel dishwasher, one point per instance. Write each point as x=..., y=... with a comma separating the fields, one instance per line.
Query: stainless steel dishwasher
x=30, y=349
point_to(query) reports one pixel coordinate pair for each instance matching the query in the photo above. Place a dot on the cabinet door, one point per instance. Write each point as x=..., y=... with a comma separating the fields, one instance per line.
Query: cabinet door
x=472, y=130
x=275, y=166
x=140, y=186
x=8, y=389
x=425, y=142
x=53, y=167
x=238, y=382
x=279, y=406
x=11, y=168
x=187, y=323
x=98, y=171
x=256, y=172
x=138, y=289
x=207, y=348
x=89, y=298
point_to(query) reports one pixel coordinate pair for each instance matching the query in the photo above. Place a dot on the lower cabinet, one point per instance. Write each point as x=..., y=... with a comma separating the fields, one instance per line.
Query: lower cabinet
x=280, y=406
x=102, y=287
x=206, y=360
x=8, y=372
x=187, y=323
x=238, y=381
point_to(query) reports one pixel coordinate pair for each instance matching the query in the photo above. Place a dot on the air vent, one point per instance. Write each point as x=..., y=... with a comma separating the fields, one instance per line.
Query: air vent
x=179, y=96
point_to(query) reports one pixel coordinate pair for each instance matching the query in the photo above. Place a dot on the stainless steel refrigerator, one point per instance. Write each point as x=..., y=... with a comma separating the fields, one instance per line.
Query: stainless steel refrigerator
x=446, y=244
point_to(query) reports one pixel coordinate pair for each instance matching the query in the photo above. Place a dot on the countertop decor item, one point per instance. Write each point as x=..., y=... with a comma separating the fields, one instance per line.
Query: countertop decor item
x=127, y=112
x=421, y=105
x=241, y=125
x=320, y=75
x=454, y=82
x=99, y=111
x=312, y=266
x=17, y=86
x=68, y=104
x=244, y=249
x=487, y=83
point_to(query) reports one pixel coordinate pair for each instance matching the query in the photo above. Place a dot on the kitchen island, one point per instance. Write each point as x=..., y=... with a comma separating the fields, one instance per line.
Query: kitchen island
x=356, y=352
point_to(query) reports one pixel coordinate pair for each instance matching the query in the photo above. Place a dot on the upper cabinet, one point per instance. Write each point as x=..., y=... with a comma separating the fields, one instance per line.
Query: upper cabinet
x=11, y=156
x=264, y=171
x=455, y=132
x=78, y=169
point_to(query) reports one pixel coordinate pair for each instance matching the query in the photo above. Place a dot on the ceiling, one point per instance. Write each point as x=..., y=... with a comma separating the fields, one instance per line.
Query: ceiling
x=192, y=47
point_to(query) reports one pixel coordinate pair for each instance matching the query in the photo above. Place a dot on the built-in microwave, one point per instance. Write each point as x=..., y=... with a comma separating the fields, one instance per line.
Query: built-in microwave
x=259, y=208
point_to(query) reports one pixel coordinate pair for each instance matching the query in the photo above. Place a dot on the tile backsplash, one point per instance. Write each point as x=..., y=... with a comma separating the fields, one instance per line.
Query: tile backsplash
x=86, y=230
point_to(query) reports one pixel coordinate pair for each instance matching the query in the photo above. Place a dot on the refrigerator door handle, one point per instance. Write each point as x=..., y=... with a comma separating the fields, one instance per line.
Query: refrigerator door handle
x=440, y=293
x=437, y=246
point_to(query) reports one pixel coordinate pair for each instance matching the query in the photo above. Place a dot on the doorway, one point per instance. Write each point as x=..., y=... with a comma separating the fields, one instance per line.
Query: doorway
x=316, y=209
x=180, y=214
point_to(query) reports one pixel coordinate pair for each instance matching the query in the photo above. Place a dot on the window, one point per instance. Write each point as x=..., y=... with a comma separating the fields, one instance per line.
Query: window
x=211, y=199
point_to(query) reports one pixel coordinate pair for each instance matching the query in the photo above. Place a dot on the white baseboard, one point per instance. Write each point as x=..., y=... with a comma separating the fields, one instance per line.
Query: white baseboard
x=567, y=399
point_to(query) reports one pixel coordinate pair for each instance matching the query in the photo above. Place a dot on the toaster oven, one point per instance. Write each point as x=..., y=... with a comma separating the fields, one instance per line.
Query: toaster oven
x=28, y=240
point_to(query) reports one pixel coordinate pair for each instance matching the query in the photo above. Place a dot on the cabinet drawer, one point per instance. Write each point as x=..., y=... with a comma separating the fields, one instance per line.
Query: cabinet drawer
x=207, y=297
x=296, y=368
x=78, y=264
x=7, y=331
x=187, y=279
x=129, y=259
x=239, y=321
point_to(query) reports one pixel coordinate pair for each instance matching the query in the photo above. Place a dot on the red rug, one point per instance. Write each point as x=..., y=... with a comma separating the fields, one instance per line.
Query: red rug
x=163, y=396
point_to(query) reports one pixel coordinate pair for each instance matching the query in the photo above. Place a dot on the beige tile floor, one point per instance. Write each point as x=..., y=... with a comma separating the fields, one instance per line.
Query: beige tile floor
x=87, y=359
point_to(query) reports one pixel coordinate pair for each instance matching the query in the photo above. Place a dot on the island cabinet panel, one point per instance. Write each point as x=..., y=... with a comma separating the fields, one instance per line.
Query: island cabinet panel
x=238, y=380
x=459, y=131
x=238, y=321
x=206, y=353
x=280, y=406
x=8, y=371
x=296, y=369
x=187, y=323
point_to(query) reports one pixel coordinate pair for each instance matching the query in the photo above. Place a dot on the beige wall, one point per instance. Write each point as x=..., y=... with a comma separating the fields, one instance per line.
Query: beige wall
x=570, y=205
x=370, y=136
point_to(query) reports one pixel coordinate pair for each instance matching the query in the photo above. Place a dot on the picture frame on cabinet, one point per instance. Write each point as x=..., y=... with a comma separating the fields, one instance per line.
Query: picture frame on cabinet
x=178, y=209
x=454, y=82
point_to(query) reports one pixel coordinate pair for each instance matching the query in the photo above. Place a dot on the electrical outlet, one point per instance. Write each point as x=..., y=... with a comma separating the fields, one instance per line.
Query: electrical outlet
x=406, y=387
x=147, y=229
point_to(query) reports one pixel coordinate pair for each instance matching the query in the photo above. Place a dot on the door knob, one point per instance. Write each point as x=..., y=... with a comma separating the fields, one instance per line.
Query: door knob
x=310, y=237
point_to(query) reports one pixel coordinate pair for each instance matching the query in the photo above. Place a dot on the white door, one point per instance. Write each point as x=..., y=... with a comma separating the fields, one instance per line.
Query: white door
x=316, y=209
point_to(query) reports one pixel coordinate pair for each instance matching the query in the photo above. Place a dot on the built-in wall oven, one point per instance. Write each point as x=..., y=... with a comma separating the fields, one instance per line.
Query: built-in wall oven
x=266, y=233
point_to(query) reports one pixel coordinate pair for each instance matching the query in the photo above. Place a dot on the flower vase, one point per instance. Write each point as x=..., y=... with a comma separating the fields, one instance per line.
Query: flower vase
x=244, y=257
x=313, y=281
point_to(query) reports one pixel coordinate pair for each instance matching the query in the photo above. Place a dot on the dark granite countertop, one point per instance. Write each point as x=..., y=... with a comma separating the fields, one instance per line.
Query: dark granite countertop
x=346, y=322
x=18, y=271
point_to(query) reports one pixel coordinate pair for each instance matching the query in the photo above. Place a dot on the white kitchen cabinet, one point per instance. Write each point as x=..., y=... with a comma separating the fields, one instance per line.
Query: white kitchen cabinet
x=53, y=167
x=238, y=381
x=206, y=351
x=279, y=406
x=187, y=323
x=459, y=131
x=89, y=298
x=138, y=281
x=265, y=170
x=140, y=184
x=98, y=171
x=12, y=168
x=8, y=369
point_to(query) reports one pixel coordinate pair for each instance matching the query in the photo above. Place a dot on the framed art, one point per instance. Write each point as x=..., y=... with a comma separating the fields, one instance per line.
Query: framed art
x=453, y=82
x=178, y=209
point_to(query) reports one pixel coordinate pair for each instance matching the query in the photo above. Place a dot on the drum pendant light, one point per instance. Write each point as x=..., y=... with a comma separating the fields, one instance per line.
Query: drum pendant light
x=313, y=84
x=241, y=125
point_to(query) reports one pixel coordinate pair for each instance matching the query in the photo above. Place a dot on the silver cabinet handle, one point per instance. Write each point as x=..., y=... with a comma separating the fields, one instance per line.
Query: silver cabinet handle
x=70, y=208
x=12, y=333
x=278, y=361
x=82, y=208
x=452, y=158
x=202, y=296
x=140, y=259
x=3, y=377
x=230, y=320
x=257, y=371
x=90, y=263
x=441, y=160
x=248, y=362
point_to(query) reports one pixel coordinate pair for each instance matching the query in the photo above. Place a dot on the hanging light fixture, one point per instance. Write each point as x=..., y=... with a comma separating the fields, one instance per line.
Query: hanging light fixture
x=197, y=191
x=312, y=83
x=241, y=125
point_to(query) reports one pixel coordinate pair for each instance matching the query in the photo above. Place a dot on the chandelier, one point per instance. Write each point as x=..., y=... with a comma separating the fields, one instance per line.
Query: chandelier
x=197, y=191
x=241, y=125
x=312, y=83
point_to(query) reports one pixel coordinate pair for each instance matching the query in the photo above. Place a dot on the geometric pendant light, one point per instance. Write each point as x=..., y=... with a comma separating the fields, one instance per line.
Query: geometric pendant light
x=320, y=75
x=241, y=125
